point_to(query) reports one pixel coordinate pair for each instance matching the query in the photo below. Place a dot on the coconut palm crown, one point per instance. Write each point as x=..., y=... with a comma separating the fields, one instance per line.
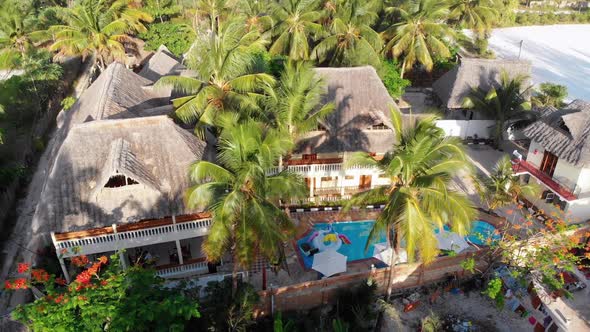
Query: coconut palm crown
x=421, y=35
x=226, y=78
x=296, y=27
x=100, y=28
x=242, y=198
x=421, y=164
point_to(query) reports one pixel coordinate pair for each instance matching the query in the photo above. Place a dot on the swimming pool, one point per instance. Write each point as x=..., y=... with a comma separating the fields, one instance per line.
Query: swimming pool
x=482, y=233
x=348, y=238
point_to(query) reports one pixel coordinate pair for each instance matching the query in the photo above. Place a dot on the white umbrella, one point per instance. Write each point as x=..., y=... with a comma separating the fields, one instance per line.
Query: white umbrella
x=451, y=241
x=382, y=252
x=329, y=262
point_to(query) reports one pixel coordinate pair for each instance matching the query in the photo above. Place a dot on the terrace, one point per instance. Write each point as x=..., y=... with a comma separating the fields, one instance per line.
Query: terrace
x=522, y=167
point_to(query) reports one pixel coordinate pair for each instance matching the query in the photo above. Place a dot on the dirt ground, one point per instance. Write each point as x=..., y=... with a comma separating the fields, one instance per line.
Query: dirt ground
x=473, y=307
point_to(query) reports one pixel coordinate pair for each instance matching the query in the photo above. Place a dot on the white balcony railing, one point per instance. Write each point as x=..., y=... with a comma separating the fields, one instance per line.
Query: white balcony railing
x=183, y=270
x=133, y=238
x=320, y=169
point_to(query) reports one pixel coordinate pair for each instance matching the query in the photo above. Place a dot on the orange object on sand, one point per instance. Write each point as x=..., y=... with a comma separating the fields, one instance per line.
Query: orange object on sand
x=411, y=306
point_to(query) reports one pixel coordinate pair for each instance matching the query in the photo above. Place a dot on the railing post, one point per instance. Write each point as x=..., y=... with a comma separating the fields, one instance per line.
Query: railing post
x=118, y=248
x=178, y=247
x=61, y=260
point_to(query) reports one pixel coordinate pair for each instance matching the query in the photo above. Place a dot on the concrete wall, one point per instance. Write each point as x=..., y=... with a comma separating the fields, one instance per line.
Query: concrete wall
x=578, y=210
x=464, y=128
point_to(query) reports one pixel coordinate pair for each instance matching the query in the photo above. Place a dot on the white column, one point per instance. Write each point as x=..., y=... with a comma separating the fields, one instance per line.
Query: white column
x=64, y=269
x=118, y=248
x=62, y=263
x=179, y=249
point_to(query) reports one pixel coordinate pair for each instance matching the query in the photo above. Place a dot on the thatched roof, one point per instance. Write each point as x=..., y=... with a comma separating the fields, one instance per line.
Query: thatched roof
x=457, y=83
x=361, y=101
x=152, y=151
x=564, y=132
x=162, y=63
x=118, y=93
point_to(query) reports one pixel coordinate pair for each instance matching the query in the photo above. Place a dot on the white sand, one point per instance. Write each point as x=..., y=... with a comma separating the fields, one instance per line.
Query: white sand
x=560, y=53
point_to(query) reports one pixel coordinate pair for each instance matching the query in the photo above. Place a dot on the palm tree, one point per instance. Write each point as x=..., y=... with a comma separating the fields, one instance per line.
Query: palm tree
x=502, y=187
x=550, y=94
x=421, y=35
x=1, y=130
x=226, y=79
x=478, y=15
x=257, y=15
x=243, y=199
x=351, y=40
x=296, y=107
x=214, y=12
x=297, y=24
x=420, y=165
x=507, y=103
x=99, y=28
x=17, y=34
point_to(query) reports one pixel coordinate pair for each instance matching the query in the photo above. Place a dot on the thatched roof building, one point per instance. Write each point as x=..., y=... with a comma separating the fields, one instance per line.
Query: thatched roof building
x=161, y=63
x=361, y=120
x=118, y=93
x=564, y=132
x=119, y=171
x=457, y=83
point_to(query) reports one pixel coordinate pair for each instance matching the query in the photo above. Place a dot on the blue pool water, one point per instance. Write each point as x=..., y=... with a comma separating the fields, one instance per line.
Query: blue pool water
x=481, y=231
x=354, y=232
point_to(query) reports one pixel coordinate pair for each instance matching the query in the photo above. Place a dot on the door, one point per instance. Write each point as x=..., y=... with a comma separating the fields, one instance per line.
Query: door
x=548, y=163
x=365, y=182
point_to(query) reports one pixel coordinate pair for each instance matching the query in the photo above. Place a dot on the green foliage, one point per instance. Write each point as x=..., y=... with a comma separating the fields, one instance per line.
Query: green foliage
x=550, y=94
x=161, y=9
x=494, y=291
x=223, y=311
x=468, y=264
x=112, y=299
x=354, y=307
x=9, y=174
x=99, y=28
x=392, y=79
x=431, y=323
x=507, y=103
x=68, y=102
x=176, y=37
x=339, y=325
x=280, y=326
x=420, y=165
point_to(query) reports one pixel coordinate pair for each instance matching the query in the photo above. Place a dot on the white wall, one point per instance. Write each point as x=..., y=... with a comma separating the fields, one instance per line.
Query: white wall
x=565, y=173
x=464, y=128
x=578, y=211
x=533, y=157
x=584, y=181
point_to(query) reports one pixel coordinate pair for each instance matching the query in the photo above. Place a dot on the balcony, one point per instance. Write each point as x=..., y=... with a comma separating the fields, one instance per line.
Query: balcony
x=133, y=235
x=522, y=166
x=191, y=267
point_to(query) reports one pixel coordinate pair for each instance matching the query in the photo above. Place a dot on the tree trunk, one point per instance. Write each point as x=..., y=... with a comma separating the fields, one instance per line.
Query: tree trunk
x=396, y=244
x=401, y=75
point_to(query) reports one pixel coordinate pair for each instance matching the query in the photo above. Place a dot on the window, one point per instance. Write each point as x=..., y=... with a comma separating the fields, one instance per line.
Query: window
x=119, y=180
x=326, y=178
x=379, y=126
x=348, y=177
x=382, y=176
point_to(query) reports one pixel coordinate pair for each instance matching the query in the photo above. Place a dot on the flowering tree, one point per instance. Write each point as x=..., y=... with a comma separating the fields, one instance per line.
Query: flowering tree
x=103, y=297
x=533, y=252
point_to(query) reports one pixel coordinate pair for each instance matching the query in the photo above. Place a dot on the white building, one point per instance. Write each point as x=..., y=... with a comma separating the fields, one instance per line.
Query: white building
x=559, y=159
x=119, y=168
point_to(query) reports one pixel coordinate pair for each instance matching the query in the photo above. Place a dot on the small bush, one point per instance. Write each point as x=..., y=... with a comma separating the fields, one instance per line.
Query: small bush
x=392, y=80
x=176, y=37
x=67, y=102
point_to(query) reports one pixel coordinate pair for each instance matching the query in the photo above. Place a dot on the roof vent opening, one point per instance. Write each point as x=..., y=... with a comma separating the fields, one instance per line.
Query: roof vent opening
x=119, y=180
x=561, y=124
x=378, y=126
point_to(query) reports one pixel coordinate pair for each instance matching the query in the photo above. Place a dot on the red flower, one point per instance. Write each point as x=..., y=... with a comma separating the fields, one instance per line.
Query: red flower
x=20, y=283
x=80, y=260
x=23, y=267
x=103, y=259
x=40, y=275
x=103, y=282
x=7, y=284
x=82, y=298
x=84, y=278
x=60, y=281
x=59, y=299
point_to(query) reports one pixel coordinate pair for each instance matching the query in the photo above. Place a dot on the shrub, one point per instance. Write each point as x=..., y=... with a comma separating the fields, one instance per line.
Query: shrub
x=67, y=102
x=176, y=37
x=391, y=78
